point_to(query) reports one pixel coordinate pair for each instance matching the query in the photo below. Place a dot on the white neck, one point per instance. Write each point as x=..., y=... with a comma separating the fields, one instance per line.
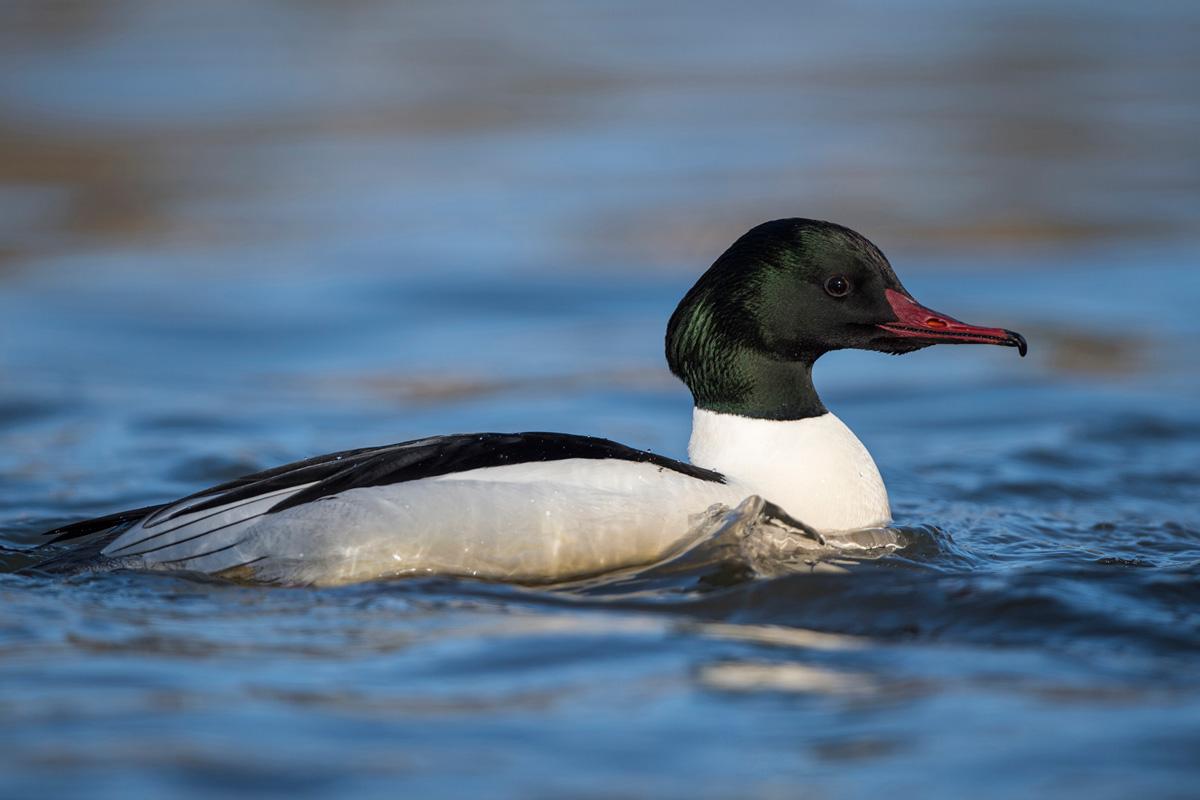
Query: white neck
x=814, y=468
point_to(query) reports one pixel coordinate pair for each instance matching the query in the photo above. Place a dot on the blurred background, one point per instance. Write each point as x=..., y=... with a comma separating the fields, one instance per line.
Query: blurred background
x=579, y=134
x=236, y=233
x=409, y=201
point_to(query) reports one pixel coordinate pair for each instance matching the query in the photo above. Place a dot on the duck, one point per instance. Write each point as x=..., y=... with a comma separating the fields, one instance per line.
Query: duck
x=541, y=508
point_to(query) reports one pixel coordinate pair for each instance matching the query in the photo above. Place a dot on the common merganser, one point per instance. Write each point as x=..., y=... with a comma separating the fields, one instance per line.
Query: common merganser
x=546, y=507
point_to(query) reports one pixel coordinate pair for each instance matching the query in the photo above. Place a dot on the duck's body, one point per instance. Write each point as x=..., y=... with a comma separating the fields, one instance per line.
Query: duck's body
x=525, y=507
x=541, y=507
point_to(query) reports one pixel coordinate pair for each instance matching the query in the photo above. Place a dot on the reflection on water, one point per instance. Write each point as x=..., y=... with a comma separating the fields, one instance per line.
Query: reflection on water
x=237, y=234
x=616, y=130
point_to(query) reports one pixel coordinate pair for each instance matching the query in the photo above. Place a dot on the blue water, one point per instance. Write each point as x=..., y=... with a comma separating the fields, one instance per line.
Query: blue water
x=238, y=234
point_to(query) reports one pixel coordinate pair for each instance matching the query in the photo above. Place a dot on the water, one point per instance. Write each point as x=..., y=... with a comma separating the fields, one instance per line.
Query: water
x=238, y=234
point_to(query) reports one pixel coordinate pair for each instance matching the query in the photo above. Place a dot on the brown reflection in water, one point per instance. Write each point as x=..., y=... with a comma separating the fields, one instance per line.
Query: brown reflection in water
x=110, y=184
x=1093, y=353
x=417, y=390
x=59, y=22
x=1048, y=129
x=1014, y=228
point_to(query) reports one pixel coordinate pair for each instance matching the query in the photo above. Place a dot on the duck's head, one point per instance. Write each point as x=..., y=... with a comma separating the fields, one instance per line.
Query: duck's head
x=745, y=337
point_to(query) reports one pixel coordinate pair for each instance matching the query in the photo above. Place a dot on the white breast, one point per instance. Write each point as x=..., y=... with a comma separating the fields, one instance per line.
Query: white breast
x=815, y=468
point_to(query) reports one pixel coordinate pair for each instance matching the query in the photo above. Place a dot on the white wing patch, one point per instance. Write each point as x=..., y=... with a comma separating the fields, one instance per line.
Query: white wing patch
x=203, y=540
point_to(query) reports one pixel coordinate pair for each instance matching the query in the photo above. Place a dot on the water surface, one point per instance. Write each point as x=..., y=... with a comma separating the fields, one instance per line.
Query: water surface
x=238, y=234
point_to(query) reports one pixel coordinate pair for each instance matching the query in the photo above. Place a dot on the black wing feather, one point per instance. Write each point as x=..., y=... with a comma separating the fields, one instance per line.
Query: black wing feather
x=443, y=455
x=87, y=527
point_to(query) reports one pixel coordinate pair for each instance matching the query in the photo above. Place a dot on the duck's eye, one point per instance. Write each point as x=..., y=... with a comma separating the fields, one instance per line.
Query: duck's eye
x=837, y=286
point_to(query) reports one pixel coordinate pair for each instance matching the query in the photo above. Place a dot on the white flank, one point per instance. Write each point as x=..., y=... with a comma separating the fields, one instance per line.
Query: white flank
x=816, y=469
x=540, y=521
